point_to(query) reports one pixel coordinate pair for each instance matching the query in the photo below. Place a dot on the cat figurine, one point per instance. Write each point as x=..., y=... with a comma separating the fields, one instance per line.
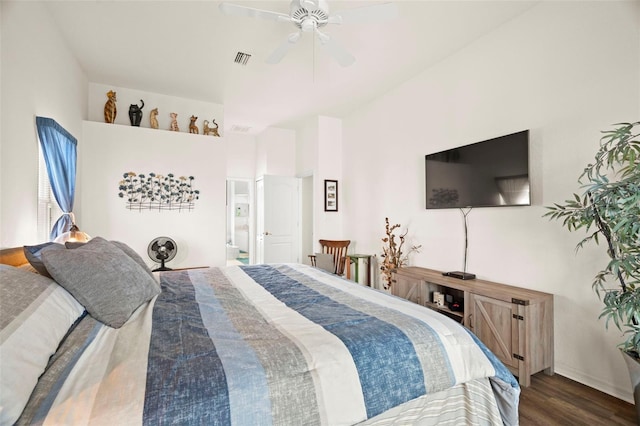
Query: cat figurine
x=174, y=122
x=213, y=131
x=153, y=118
x=110, y=110
x=192, y=125
x=135, y=114
x=206, y=130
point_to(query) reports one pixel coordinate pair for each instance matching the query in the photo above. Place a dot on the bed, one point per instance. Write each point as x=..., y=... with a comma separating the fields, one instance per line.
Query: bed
x=102, y=340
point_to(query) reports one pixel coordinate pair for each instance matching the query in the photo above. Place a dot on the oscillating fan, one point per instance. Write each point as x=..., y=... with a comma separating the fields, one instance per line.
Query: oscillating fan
x=310, y=16
x=161, y=250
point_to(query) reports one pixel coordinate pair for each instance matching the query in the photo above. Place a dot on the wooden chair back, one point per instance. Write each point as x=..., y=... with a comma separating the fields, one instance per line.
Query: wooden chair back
x=337, y=248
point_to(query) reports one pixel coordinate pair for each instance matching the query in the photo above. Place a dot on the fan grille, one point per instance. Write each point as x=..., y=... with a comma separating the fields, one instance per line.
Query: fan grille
x=162, y=249
x=300, y=13
x=320, y=15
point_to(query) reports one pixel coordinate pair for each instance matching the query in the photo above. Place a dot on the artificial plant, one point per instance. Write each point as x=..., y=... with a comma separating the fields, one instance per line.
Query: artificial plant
x=609, y=209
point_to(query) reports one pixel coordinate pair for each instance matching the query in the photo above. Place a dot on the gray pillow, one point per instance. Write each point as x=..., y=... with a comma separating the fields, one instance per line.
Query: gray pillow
x=325, y=261
x=34, y=256
x=132, y=254
x=103, y=278
x=122, y=246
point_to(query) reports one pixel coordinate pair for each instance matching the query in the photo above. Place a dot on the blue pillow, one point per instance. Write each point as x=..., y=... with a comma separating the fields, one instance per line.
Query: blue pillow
x=34, y=256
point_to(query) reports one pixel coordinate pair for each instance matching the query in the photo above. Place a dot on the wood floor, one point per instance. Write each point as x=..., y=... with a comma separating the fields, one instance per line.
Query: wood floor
x=556, y=400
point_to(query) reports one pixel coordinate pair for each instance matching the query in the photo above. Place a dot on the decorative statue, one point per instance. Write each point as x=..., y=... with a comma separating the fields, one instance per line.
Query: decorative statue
x=135, y=114
x=192, y=125
x=174, y=122
x=153, y=118
x=213, y=131
x=110, y=110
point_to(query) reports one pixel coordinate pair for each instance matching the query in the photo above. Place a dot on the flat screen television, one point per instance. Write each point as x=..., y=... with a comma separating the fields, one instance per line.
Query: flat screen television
x=491, y=173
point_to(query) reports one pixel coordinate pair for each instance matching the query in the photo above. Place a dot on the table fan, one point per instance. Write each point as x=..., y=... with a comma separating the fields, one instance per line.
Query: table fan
x=161, y=250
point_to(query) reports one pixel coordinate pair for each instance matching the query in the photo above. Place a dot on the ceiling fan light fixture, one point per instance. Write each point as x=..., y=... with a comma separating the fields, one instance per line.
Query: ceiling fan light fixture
x=308, y=25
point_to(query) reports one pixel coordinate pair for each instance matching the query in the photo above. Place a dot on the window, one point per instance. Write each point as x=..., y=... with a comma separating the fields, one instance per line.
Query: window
x=58, y=148
x=48, y=209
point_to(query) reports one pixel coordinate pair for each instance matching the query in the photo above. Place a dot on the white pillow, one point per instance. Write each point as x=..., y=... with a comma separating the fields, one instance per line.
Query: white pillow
x=35, y=315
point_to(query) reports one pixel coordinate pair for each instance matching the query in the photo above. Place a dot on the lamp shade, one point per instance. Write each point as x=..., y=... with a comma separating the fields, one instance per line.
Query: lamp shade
x=74, y=234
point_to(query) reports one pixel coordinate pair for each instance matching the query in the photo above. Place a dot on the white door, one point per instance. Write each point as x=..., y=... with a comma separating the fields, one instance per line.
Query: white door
x=278, y=219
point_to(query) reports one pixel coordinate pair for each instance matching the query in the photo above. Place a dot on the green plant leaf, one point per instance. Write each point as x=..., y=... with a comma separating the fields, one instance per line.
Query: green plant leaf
x=610, y=203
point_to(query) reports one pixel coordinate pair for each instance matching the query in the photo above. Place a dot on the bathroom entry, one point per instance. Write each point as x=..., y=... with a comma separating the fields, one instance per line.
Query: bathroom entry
x=239, y=221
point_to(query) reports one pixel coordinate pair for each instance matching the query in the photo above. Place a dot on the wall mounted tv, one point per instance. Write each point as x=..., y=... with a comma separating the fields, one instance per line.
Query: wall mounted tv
x=491, y=173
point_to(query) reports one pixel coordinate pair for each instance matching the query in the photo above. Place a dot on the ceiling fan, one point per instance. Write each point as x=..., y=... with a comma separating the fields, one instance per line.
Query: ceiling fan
x=310, y=16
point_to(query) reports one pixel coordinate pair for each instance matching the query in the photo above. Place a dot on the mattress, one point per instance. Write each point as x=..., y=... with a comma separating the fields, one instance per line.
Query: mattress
x=275, y=344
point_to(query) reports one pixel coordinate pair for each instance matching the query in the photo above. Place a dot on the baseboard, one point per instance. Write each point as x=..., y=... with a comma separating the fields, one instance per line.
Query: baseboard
x=624, y=394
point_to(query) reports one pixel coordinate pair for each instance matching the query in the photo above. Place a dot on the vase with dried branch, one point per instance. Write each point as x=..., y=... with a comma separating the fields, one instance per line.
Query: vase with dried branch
x=392, y=255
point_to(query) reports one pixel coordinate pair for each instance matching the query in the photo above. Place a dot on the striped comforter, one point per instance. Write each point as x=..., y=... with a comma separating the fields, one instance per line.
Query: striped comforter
x=280, y=344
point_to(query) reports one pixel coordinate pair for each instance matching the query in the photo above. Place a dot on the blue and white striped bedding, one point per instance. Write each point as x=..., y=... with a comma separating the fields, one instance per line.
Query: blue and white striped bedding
x=280, y=344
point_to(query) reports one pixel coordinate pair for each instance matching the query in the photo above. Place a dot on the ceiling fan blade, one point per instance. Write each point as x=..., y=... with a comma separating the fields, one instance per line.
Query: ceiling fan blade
x=282, y=50
x=343, y=57
x=237, y=10
x=365, y=14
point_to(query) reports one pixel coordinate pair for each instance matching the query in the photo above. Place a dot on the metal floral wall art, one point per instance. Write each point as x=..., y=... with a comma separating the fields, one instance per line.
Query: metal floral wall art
x=158, y=192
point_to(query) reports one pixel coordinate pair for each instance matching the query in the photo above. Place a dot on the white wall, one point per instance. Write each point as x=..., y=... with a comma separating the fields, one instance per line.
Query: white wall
x=307, y=169
x=328, y=225
x=565, y=70
x=307, y=146
x=241, y=155
x=39, y=76
x=110, y=150
x=319, y=146
x=276, y=152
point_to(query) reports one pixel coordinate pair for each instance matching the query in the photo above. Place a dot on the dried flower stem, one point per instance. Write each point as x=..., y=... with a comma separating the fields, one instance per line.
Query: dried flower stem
x=392, y=256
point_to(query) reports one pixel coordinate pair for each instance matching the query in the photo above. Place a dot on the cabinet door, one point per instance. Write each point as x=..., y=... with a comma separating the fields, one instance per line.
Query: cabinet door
x=407, y=288
x=493, y=322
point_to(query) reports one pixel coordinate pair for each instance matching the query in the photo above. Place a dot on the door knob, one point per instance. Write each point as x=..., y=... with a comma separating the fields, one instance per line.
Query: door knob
x=267, y=233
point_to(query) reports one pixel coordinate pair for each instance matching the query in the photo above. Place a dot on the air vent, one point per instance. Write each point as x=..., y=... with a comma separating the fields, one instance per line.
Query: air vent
x=237, y=128
x=242, y=58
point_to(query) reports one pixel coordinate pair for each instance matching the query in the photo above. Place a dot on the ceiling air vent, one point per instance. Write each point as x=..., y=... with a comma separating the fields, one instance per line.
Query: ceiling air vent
x=237, y=128
x=242, y=58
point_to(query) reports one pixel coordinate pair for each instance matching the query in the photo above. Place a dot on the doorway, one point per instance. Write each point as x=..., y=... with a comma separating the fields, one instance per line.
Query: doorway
x=239, y=222
x=277, y=219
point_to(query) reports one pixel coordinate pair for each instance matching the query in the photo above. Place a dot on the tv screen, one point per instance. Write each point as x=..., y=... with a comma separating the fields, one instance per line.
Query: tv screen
x=490, y=173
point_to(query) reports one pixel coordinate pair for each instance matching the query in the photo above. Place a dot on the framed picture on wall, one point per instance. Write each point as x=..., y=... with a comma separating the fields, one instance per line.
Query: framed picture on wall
x=330, y=195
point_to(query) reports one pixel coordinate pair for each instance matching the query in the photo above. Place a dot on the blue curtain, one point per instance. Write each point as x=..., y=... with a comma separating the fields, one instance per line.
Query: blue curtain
x=59, y=149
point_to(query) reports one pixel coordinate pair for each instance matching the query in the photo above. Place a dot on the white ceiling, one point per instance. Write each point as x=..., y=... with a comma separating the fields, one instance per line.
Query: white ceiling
x=187, y=49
